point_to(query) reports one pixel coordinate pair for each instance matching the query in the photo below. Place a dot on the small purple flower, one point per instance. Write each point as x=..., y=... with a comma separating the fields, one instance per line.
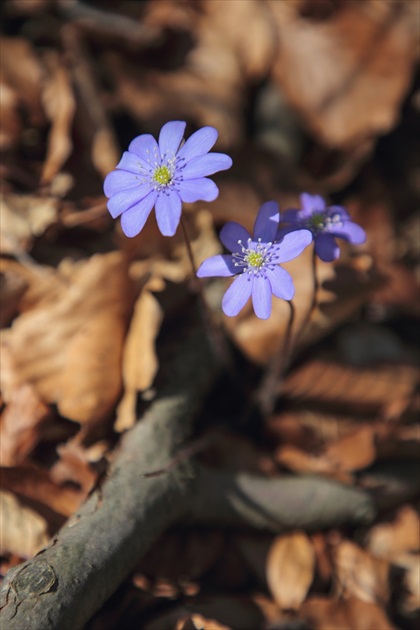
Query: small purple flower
x=325, y=223
x=163, y=174
x=255, y=262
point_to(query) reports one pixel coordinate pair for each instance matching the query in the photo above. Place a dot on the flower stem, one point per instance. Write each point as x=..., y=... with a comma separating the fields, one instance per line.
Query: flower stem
x=215, y=332
x=270, y=385
x=268, y=389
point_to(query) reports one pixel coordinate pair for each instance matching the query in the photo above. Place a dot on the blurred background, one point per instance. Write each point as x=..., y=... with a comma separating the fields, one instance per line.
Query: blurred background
x=319, y=96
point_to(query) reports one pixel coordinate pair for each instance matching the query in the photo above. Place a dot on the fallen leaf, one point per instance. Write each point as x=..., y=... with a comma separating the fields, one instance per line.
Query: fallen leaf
x=73, y=466
x=12, y=288
x=346, y=74
x=322, y=613
x=24, y=531
x=59, y=103
x=23, y=217
x=366, y=389
x=290, y=569
x=76, y=334
x=35, y=484
x=140, y=362
x=353, y=452
x=21, y=423
x=360, y=574
x=396, y=537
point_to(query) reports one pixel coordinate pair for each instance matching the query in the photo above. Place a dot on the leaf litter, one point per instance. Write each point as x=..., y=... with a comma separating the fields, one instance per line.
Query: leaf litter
x=86, y=312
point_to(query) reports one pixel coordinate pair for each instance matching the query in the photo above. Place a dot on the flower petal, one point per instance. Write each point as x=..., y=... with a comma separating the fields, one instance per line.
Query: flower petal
x=290, y=216
x=351, y=232
x=199, y=143
x=134, y=164
x=220, y=265
x=133, y=220
x=195, y=189
x=230, y=235
x=311, y=204
x=123, y=200
x=168, y=212
x=267, y=222
x=237, y=295
x=146, y=147
x=261, y=297
x=206, y=165
x=116, y=181
x=291, y=245
x=281, y=283
x=342, y=212
x=326, y=247
x=170, y=137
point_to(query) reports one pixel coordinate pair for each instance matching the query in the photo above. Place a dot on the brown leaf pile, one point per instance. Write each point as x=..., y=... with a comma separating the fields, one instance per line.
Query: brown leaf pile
x=304, y=94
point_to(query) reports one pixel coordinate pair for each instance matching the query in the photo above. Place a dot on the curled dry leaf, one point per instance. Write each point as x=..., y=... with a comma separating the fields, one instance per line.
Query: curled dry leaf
x=140, y=362
x=322, y=613
x=346, y=74
x=361, y=575
x=353, y=452
x=394, y=539
x=59, y=103
x=75, y=333
x=290, y=569
x=23, y=532
x=21, y=424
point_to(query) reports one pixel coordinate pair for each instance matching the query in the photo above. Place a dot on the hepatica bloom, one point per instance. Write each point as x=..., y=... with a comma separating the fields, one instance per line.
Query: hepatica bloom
x=162, y=175
x=255, y=262
x=325, y=223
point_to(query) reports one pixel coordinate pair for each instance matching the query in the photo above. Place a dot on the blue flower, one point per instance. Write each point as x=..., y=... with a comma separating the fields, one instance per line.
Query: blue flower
x=325, y=223
x=255, y=262
x=163, y=175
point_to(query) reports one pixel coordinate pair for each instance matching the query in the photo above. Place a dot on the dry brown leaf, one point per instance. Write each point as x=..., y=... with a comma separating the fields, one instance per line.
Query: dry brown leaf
x=21, y=70
x=73, y=466
x=140, y=362
x=23, y=531
x=75, y=333
x=36, y=485
x=209, y=86
x=23, y=217
x=290, y=569
x=322, y=613
x=10, y=122
x=397, y=537
x=361, y=575
x=346, y=74
x=410, y=604
x=233, y=612
x=21, y=423
x=59, y=104
x=198, y=622
x=353, y=452
x=12, y=288
x=371, y=389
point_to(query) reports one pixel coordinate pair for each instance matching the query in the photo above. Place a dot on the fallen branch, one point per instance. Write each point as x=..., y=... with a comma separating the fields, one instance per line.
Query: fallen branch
x=63, y=585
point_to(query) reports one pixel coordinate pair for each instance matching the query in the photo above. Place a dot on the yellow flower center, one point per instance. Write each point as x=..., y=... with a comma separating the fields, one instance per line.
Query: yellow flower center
x=162, y=175
x=255, y=259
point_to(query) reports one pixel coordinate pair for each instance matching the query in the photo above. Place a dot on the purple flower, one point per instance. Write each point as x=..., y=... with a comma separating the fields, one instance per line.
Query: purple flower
x=163, y=174
x=325, y=223
x=255, y=262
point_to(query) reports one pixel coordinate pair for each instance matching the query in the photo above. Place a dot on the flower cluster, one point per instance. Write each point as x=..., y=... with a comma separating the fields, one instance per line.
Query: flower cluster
x=166, y=173
x=255, y=261
x=163, y=175
x=325, y=223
